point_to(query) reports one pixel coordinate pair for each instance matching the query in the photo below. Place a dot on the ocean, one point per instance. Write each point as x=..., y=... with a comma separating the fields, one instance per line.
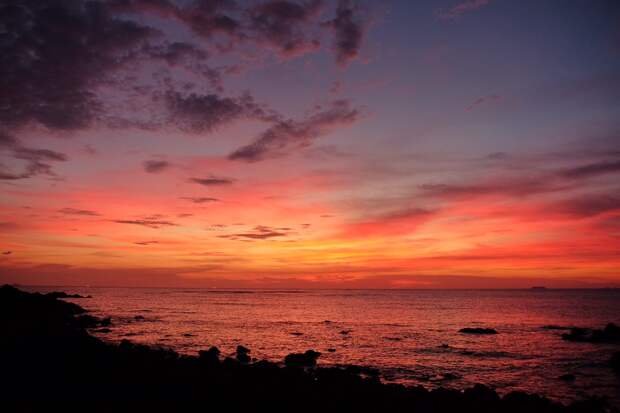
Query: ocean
x=410, y=336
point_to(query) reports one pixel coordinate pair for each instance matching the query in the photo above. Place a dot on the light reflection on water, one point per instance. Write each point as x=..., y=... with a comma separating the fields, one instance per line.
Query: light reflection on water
x=410, y=335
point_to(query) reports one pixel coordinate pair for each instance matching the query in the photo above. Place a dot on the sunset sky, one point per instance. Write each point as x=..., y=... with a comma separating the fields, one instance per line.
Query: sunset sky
x=412, y=144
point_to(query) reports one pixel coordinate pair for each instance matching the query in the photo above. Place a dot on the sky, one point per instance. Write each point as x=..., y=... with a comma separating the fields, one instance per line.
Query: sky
x=310, y=144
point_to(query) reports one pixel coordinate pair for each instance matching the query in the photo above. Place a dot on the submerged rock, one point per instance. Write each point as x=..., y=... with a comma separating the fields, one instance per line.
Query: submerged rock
x=555, y=327
x=477, y=330
x=307, y=359
x=567, y=377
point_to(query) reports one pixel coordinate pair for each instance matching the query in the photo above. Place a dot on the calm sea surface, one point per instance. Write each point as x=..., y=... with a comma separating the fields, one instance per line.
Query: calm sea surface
x=403, y=333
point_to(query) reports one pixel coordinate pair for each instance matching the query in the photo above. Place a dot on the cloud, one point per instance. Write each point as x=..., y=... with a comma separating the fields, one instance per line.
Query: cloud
x=150, y=223
x=287, y=136
x=348, y=32
x=587, y=206
x=510, y=187
x=483, y=100
x=458, y=10
x=53, y=54
x=146, y=242
x=83, y=212
x=395, y=222
x=154, y=166
x=71, y=65
x=37, y=161
x=199, y=200
x=259, y=232
x=203, y=113
x=212, y=181
x=282, y=24
x=592, y=170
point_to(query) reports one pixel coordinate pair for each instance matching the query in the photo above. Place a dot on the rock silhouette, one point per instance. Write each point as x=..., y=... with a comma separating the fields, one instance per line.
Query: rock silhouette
x=62, y=294
x=615, y=362
x=477, y=330
x=609, y=334
x=307, y=359
x=50, y=362
x=567, y=377
x=243, y=354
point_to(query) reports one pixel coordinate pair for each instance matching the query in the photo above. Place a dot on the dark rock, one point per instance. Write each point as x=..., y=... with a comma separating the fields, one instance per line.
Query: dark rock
x=49, y=359
x=331, y=350
x=307, y=359
x=609, y=334
x=554, y=327
x=102, y=330
x=243, y=354
x=450, y=376
x=345, y=332
x=62, y=294
x=139, y=318
x=477, y=330
x=211, y=356
x=297, y=333
x=615, y=362
x=567, y=377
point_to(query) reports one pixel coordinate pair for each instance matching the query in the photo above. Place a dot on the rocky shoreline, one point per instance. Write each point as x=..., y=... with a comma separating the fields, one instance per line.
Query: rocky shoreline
x=48, y=358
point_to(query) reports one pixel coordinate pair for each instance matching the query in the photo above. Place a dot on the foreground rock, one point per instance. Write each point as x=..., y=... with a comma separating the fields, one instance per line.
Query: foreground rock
x=609, y=334
x=477, y=330
x=307, y=359
x=49, y=362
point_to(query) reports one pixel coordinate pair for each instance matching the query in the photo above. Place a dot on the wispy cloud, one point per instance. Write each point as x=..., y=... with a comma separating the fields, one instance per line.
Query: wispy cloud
x=82, y=212
x=592, y=170
x=348, y=32
x=150, y=223
x=199, y=200
x=212, y=181
x=146, y=242
x=259, y=232
x=287, y=136
x=483, y=100
x=155, y=166
x=459, y=9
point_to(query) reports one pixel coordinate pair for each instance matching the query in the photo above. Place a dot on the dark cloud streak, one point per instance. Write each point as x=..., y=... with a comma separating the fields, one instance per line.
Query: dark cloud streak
x=289, y=135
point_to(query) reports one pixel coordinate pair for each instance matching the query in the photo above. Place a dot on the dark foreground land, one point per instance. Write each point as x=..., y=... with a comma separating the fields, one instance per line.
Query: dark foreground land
x=48, y=361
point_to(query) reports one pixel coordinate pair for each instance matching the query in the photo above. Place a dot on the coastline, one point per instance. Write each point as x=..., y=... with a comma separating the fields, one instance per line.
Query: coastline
x=48, y=356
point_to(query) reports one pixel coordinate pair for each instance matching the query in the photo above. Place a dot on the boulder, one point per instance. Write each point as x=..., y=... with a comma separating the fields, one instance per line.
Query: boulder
x=307, y=359
x=243, y=354
x=211, y=356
